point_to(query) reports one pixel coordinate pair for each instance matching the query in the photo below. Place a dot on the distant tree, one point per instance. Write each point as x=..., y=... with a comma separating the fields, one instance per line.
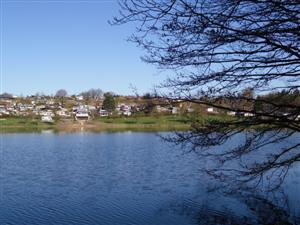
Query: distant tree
x=61, y=93
x=109, y=102
x=148, y=106
x=6, y=96
x=39, y=95
x=268, y=102
x=92, y=94
x=245, y=102
x=134, y=90
x=147, y=96
x=95, y=93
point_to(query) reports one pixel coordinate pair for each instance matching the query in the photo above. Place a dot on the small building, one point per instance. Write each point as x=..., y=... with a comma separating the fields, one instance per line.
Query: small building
x=6, y=97
x=2, y=108
x=82, y=115
x=127, y=113
x=247, y=114
x=79, y=98
x=91, y=107
x=240, y=114
x=231, y=113
x=210, y=110
x=47, y=113
x=190, y=110
x=40, y=107
x=3, y=111
x=50, y=102
x=175, y=110
x=103, y=113
x=47, y=119
x=63, y=113
x=161, y=109
x=124, y=109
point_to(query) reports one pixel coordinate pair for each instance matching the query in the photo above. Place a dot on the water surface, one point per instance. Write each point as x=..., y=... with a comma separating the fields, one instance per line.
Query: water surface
x=108, y=178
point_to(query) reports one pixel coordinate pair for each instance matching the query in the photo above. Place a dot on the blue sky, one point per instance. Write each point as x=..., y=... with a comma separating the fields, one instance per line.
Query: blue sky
x=48, y=45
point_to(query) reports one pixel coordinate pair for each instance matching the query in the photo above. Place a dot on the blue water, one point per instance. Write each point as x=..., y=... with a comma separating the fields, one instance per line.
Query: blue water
x=107, y=178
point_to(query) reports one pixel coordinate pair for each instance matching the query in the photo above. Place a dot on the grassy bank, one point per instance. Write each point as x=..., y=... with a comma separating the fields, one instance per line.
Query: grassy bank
x=164, y=123
x=24, y=124
x=135, y=123
x=146, y=120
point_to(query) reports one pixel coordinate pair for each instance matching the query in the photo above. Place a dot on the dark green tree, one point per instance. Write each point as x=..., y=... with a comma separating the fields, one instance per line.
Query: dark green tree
x=109, y=102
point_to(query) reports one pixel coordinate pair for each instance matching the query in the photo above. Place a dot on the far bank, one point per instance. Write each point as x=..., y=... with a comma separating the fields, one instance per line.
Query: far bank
x=142, y=123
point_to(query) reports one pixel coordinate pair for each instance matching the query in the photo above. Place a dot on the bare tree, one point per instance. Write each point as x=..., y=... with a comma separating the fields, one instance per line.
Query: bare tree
x=61, y=93
x=216, y=49
x=92, y=94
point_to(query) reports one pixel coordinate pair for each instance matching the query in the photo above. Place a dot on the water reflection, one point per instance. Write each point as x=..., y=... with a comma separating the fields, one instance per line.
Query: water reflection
x=234, y=210
x=259, y=211
x=50, y=131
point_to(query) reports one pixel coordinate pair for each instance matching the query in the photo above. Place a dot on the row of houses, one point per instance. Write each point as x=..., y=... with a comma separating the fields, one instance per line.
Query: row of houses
x=48, y=108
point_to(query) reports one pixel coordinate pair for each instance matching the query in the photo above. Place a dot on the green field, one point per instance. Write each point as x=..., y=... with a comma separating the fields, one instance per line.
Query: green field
x=23, y=121
x=159, y=120
x=24, y=124
x=98, y=124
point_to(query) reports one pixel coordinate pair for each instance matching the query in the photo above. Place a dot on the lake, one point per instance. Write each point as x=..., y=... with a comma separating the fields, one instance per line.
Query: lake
x=124, y=178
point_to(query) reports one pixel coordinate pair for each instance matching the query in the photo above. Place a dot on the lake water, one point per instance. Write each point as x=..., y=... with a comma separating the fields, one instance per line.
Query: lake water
x=111, y=179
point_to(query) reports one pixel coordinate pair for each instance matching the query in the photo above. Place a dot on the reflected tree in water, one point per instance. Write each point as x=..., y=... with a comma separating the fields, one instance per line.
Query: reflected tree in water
x=261, y=211
x=256, y=210
x=215, y=50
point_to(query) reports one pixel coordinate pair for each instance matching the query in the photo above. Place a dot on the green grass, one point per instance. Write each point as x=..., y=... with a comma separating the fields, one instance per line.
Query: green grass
x=159, y=120
x=22, y=122
x=99, y=124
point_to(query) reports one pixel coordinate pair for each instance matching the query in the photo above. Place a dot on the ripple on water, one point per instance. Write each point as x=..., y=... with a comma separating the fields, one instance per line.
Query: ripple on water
x=130, y=178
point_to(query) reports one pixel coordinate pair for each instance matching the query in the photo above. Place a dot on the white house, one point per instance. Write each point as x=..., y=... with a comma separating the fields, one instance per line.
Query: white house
x=190, y=110
x=79, y=98
x=91, y=107
x=103, y=113
x=47, y=113
x=63, y=113
x=210, y=110
x=247, y=114
x=161, y=109
x=82, y=114
x=124, y=109
x=127, y=113
x=47, y=119
x=175, y=110
x=231, y=113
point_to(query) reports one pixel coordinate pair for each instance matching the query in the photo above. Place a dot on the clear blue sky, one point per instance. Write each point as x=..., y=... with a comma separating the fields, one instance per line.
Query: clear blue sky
x=48, y=45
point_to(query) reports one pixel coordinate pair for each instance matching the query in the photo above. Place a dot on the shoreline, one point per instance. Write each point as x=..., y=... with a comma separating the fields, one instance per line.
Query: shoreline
x=30, y=125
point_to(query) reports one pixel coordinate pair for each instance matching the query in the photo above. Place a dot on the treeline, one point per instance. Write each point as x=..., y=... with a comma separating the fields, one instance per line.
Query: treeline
x=283, y=98
x=280, y=103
